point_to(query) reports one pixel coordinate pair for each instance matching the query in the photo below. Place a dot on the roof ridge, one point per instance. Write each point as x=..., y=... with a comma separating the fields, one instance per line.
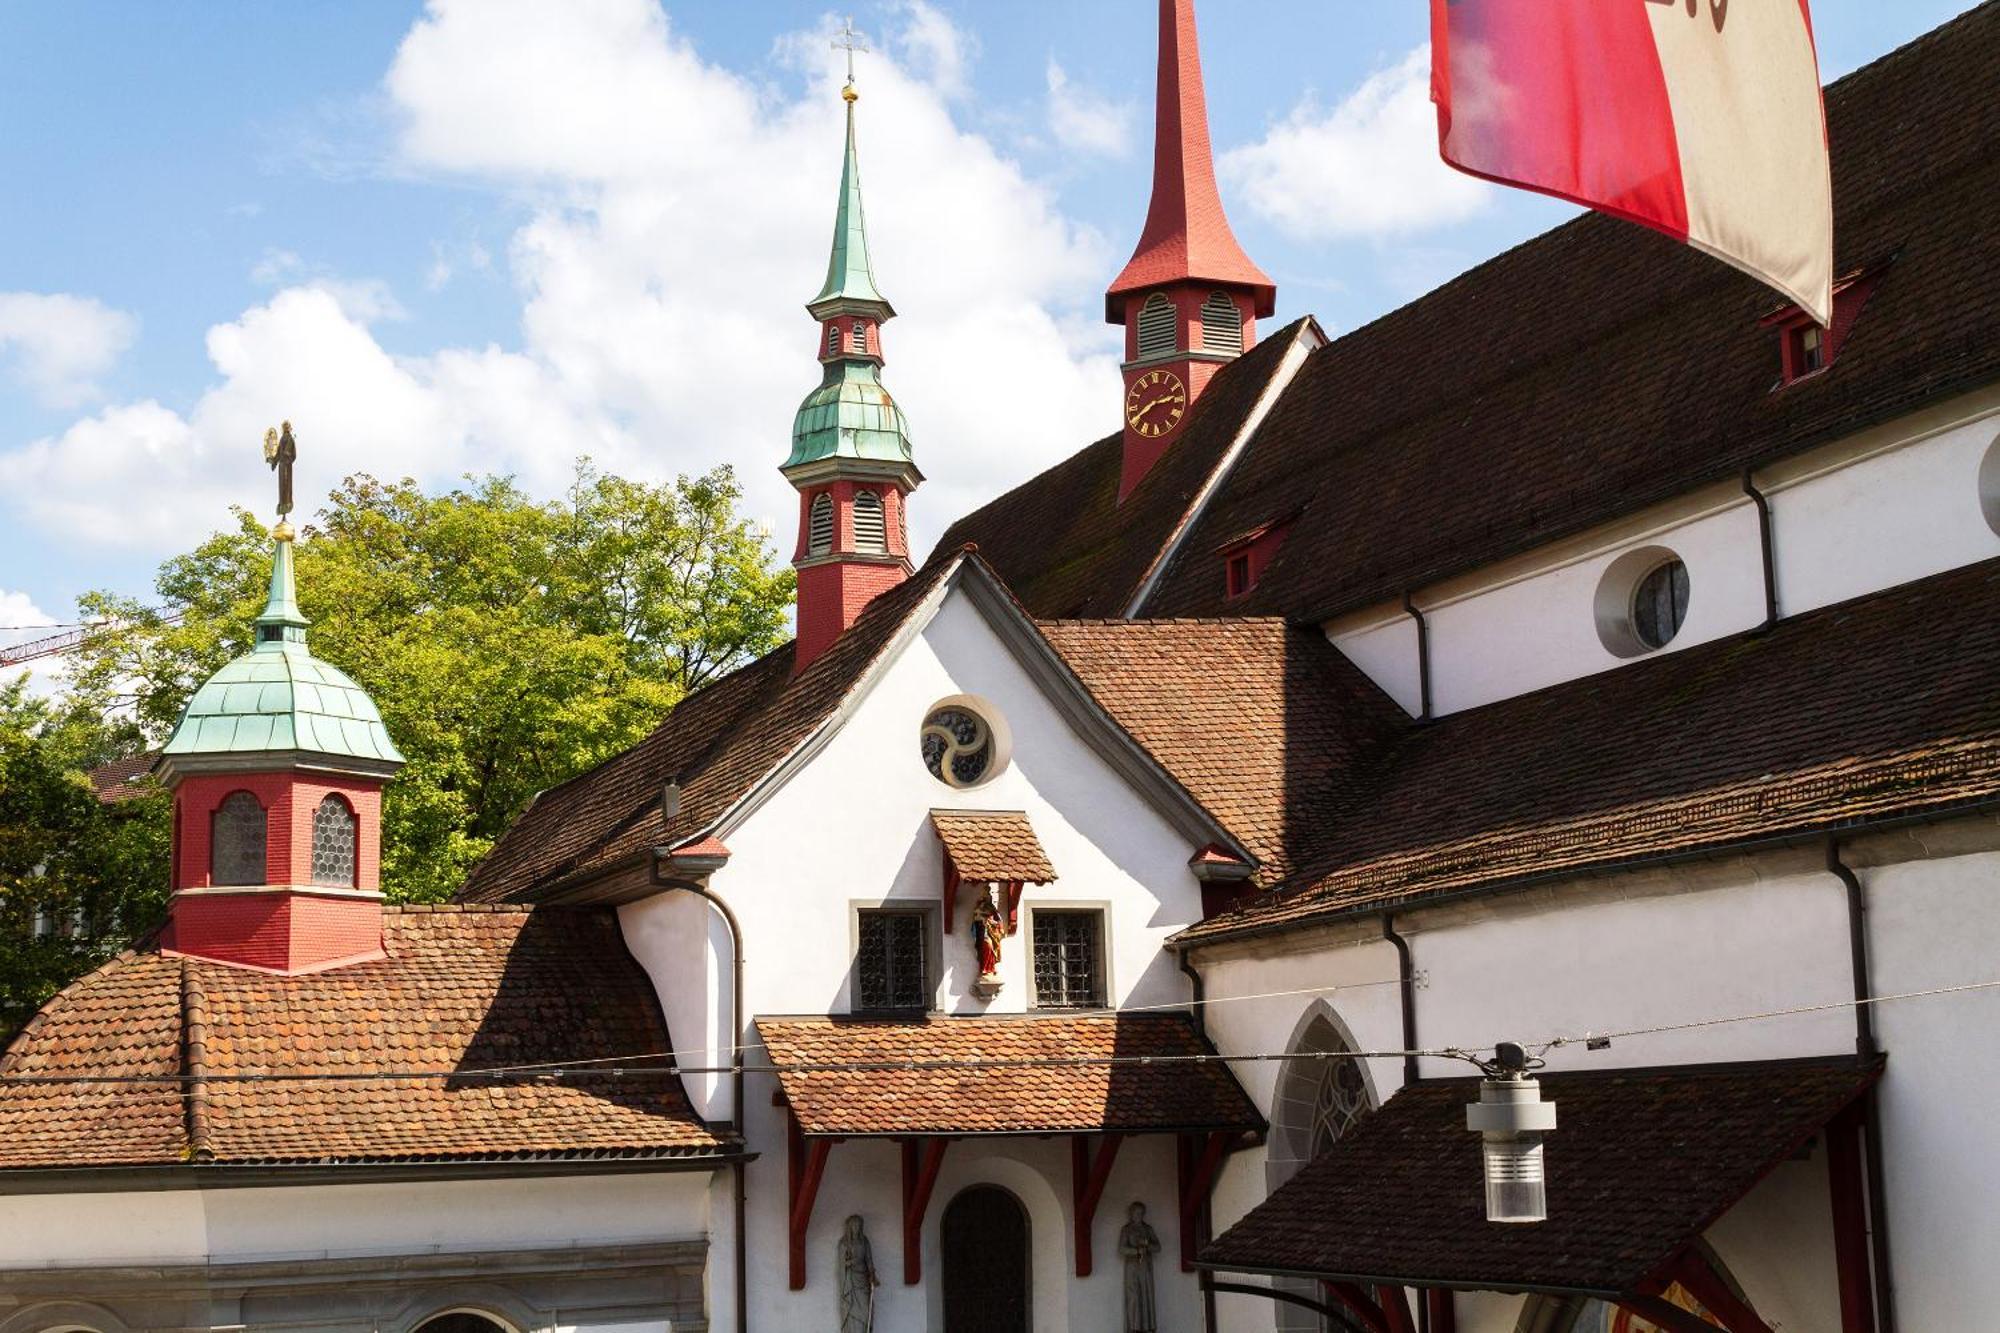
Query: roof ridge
x=194, y=1062
x=444, y=909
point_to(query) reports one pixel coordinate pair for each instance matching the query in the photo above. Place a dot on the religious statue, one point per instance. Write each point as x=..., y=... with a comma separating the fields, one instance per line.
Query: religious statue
x=281, y=451
x=857, y=1280
x=989, y=929
x=1138, y=1242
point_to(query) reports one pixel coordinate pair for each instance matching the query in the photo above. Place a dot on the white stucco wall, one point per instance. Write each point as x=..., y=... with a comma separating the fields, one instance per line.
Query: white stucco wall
x=851, y=830
x=1890, y=505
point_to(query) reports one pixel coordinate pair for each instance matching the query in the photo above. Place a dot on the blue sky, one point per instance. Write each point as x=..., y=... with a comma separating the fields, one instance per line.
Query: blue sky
x=496, y=236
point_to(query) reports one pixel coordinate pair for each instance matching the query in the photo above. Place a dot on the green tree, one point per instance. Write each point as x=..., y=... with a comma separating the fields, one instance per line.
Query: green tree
x=510, y=644
x=78, y=878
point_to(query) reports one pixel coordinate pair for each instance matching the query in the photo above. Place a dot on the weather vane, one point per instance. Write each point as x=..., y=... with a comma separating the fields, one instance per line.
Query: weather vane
x=849, y=40
x=280, y=452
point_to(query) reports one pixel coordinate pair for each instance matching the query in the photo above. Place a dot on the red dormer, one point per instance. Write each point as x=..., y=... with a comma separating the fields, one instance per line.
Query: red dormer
x=1804, y=347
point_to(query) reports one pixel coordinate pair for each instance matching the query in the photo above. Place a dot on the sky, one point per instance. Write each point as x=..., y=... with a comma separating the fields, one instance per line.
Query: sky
x=477, y=236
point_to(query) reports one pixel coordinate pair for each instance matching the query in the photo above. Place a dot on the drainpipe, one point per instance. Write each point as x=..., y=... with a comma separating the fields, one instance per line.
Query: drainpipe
x=1407, y=978
x=1423, y=654
x=1871, y=1118
x=699, y=887
x=1766, y=547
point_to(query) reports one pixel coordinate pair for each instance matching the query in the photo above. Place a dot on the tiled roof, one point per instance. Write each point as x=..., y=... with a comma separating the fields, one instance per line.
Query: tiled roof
x=123, y=779
x=1046, y=1085
x=1269, y=727
x=1883, y=705
x=1640, y=1163
x=993, y=845
x=1063, y=543
x=717, y=743
x=1600, y=367
x=461, y=989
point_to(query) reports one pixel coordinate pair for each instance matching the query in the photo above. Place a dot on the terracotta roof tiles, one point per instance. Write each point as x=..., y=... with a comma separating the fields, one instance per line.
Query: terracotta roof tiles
x=993, y=845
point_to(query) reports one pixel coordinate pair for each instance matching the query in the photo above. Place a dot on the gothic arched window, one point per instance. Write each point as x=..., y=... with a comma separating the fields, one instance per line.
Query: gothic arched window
x=333, y=846
x=1157, y=336
x=871, y=534
x=236, y=840
x=1221, y=324
x=819, y=529
x=1322, y=1094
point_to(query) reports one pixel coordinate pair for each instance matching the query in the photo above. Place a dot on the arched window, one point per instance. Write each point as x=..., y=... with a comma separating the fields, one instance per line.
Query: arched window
x=334, y=843
x=832, y=339
x=1156, y=326
x=1221, y=324
x=462, y=1321
x=860, y=335
x=1322, y=1093
x=236, y=841
x=870, y=532
x=819, y=530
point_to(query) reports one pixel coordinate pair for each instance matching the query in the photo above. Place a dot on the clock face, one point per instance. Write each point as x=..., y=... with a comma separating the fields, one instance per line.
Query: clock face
x=1155, y=403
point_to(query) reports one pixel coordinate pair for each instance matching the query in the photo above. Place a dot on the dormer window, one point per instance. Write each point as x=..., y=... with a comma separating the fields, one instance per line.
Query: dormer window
x=1236, y=574
x=1805, y=348
x=1809, y=350
x=1245, y=557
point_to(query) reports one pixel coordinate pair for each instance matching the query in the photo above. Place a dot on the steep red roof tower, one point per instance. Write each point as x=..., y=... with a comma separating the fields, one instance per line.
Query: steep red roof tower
x=1190, y=298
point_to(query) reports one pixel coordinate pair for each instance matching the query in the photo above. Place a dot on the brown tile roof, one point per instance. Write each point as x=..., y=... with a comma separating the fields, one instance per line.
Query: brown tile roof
x=124, y=779
x=1045, y=1082
x=717, y=743
x=1599, y=367
x=993, y=844
x=1641, y=1162
x=1064, y=544
x=1883, y=705
x=1269, y=727
x=462, y=989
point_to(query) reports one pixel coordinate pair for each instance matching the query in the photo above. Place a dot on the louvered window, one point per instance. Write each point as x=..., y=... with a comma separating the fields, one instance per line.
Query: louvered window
x=890, y=971
x=869, y=533
x=1068, y=949
x=819, y=531
x=1221, y=324
x=333, y=843
x=832, y=339
x=236, y=841
x=860, y=336
x=1156, y=326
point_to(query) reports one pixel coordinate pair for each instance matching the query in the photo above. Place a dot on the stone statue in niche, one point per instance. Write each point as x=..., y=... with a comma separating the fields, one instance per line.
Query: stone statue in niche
x=857, y=1279
x=1138, y=1243
x=989, y=931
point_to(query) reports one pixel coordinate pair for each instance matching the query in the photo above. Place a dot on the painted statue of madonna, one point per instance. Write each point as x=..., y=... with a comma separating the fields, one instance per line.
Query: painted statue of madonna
x=857, y=1280
x=1138, y=1243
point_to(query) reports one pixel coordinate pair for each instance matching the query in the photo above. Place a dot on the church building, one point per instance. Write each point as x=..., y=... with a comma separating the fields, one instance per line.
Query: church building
x=1579, y=686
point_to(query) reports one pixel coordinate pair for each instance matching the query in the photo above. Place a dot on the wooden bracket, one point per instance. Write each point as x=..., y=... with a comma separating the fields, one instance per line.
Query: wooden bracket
x=1696, y=1273
x=1199, y=1158
x=1395, y=1309
x=1443, y=1309
x=1848, y=1192
x=1011, y=891
x=950, y=892
x=1358, y=1304
x=1088, y=1176
x=922, y=1159
x=1665, y=1313
x=806, y=1167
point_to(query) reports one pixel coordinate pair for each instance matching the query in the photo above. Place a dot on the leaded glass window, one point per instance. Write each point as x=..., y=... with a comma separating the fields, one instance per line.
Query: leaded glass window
x=236, y=841
x=1340, y=1099
x=333, y=843
x=890, y=971
x=1068, y=960
x=958, y=746
x=1660, y=604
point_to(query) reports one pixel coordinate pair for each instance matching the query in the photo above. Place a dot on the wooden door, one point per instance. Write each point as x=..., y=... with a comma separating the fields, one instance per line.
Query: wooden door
x=984, y=1239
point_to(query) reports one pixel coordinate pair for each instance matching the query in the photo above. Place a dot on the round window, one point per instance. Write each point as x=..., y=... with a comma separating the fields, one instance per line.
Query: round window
x=958, y=746
x=1660, y=604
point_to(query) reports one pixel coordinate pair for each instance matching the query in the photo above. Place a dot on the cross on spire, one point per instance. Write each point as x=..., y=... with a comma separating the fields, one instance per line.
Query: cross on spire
x=849, y=40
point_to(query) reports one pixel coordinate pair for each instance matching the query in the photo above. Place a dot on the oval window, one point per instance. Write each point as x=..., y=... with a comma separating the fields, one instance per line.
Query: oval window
x=1660, y=603
x=958, y=746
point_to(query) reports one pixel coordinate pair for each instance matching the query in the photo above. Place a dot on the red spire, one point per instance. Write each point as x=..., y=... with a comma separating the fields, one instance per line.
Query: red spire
x=1187, y=236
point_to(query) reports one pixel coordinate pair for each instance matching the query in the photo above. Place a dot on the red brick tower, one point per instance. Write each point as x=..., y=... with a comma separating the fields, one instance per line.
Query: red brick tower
x=1190, y=298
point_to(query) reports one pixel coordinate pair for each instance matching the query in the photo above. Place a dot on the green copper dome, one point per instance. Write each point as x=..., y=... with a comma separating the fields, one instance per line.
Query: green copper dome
x=850, y=415
x=279, y=697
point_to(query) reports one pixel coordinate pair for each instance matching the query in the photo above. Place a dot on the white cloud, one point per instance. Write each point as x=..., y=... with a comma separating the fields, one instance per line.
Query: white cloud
x=1084, y=121
x=18, y=610
x=57, y=344
x=937, y=50
x=1367, y=167
x=679, y=218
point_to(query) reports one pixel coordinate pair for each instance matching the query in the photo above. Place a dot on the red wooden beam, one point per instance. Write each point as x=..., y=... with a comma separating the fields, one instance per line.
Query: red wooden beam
x=806, y=1166
x=1848, y=1194
x=1695, y=1271
x=1357, y=1302
x=950, y=891
x=1443, y=1308
x=921, y=1161
x=1198, y=1166
x=1088, y=1176
x=1012, y=892
x=1395, y=1310
x=1665, y=1313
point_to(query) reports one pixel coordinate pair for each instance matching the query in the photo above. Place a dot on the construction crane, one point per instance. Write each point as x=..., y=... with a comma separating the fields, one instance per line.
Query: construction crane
x=55, y=645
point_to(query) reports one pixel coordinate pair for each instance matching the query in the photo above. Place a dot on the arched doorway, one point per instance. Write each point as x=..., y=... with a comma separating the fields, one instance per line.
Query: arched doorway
x=984, y=1240
x=462, y=1321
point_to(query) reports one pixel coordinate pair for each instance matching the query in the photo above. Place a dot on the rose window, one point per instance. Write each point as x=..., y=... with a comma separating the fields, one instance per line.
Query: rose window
x=958, y=746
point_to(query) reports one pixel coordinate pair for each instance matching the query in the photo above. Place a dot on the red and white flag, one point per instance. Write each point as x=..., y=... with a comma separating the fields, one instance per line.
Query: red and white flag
x=1700, y=118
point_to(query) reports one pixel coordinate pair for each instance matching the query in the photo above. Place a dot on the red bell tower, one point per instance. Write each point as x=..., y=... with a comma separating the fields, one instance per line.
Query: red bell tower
x=1190, y=298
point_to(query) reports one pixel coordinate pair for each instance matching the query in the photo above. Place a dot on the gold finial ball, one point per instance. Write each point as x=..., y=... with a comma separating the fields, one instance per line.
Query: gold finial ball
x=848, y=94
x=283, y=532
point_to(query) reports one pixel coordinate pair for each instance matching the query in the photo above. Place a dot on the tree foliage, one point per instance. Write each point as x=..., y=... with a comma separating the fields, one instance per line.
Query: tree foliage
x=510, y=644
